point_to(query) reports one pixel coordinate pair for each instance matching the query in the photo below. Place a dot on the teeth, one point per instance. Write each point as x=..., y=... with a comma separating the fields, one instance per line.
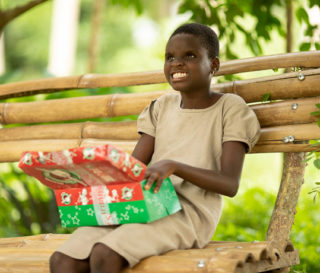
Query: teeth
x=179, y=75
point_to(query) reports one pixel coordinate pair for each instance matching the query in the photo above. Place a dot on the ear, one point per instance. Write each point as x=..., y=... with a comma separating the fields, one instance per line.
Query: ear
x=215, y=64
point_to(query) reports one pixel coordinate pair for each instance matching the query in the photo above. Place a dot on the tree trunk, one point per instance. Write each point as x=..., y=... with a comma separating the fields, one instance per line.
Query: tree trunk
x=2, y=55
x=63, y=37
x=289, y=25
x=95, y=31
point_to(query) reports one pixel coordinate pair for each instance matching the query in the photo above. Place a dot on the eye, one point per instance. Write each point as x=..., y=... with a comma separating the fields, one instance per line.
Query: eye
x=190, y=55
x=170, y=58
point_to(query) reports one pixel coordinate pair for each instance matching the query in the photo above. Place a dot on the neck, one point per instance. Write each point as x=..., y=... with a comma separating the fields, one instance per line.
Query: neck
x=198, y=101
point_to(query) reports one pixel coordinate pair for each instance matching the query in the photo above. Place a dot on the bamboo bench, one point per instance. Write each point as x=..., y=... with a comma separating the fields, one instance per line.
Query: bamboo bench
x=287, y=126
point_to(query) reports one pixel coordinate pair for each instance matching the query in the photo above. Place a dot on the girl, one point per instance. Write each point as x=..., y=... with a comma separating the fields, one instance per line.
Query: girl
x=197, y=137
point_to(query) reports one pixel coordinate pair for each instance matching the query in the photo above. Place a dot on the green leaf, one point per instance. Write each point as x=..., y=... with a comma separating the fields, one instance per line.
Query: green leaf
x=318, y=105
x=315, y=113
x=316, y=163
x=302, y=15
x=266, y=97
x=305, y=47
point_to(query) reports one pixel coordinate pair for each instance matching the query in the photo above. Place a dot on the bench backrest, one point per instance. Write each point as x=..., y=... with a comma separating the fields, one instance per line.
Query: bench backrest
x=282, y=102
x=285, y=117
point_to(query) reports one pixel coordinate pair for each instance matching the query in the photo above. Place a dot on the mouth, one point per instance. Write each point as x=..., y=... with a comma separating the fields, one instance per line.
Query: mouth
x=178, y=75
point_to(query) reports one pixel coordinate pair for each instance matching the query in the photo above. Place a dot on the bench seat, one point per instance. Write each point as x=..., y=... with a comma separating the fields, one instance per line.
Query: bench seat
x=31, y=254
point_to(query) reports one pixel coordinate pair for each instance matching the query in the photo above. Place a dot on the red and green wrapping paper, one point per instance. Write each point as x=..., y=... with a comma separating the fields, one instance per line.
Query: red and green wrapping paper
x=99, y=186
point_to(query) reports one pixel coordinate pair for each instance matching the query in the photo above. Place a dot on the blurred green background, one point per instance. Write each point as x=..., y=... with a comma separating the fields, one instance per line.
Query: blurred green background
x=132, y=37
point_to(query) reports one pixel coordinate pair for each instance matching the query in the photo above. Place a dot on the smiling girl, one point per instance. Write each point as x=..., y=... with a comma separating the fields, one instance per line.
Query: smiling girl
x=197, y=137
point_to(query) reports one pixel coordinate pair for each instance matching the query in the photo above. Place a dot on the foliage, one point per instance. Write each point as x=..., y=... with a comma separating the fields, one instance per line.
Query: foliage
x=266, y=16
x=246, y=218
x=27, y=206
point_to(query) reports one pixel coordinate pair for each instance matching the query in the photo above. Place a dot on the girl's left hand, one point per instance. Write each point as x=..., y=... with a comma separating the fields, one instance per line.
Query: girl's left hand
x=157, y=172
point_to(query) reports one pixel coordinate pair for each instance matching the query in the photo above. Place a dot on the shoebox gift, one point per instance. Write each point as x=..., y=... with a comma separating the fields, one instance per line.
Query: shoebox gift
x=99, y=186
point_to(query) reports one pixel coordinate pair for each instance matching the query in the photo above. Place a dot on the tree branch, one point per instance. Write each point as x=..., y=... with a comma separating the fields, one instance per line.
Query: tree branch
x=9, y=15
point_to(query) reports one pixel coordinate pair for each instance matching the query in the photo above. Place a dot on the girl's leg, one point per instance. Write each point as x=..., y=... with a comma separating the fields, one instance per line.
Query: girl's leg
x=60, y=262
x=104, y=260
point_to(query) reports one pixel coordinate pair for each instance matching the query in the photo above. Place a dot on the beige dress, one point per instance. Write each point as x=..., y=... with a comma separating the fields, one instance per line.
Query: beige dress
x=191, y=136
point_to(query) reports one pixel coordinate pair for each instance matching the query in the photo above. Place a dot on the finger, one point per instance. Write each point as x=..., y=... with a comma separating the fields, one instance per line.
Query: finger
x=147, y=173
x=158, y=184
x=152, y=178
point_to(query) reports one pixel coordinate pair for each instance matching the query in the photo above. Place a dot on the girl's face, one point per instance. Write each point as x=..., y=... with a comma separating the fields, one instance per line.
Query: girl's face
x=187, y=66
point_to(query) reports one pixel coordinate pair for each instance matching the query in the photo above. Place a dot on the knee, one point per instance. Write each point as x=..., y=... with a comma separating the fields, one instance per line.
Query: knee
x=104, y=259
x=60, y=262
x=57, y=260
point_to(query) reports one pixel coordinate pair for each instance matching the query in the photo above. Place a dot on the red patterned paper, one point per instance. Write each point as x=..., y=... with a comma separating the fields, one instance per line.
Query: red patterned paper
x=82, y=167
x=99, y=194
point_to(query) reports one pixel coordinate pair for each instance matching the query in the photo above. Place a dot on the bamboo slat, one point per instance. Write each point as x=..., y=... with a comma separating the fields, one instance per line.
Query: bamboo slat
x=270, y=142
x=75, y=108
x=284, y=86
x=105, y=106
x=300, y=132
x=304, y=59
x=286, y=112
x=125, y=130
x=11, y=151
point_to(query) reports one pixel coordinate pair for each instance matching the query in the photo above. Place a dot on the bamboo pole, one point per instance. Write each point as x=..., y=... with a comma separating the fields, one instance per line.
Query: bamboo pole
x=299, y=59
x=132, y=104
x=75, y=108
x=127, y=131
x=284, y=86
x=286, y=112
x=11, y=151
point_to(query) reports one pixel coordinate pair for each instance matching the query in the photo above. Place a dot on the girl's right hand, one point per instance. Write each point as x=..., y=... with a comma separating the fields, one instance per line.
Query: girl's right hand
x=157, y=172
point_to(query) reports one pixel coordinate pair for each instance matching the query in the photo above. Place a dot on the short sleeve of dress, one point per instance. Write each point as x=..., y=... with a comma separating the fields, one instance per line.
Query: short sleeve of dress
x=240, y=123
x=147, y=120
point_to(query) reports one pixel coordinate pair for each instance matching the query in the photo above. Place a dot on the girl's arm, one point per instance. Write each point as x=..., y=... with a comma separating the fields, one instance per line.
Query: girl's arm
x=225, y=182
x=143, y=150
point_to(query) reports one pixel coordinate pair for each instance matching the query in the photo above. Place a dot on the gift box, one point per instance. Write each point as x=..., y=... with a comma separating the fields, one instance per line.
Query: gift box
x=100, y=186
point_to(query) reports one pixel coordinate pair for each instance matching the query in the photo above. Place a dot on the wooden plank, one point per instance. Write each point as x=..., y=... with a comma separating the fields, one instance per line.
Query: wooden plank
x=305, y=59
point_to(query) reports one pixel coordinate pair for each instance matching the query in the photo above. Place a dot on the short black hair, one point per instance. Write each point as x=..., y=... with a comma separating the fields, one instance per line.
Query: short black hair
x=205, y=33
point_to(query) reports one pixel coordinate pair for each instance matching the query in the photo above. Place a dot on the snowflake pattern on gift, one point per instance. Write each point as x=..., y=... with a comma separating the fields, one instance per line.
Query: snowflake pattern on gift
x=127, y=193
x=133, y=208
x=27, y=159
x=88, y=153
x=125, y=216
x=65, y=198
x=137, y=169
x=115, y=155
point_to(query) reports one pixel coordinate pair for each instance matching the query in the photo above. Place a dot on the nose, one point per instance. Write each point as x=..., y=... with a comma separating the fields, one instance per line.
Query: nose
x=178, y=62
